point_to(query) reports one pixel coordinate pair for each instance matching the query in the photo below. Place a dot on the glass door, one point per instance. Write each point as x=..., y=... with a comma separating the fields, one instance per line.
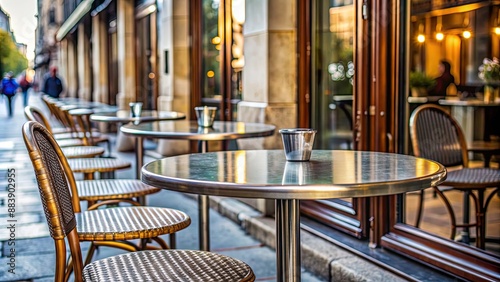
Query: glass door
x=332, y=79
x=146, y=58
x=222, y=57
x=332, y=62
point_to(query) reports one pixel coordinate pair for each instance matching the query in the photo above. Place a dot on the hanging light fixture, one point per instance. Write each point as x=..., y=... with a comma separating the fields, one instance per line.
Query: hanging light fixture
x=497, y=28
x=439, y=25
x=466, y=33
x=421, y=36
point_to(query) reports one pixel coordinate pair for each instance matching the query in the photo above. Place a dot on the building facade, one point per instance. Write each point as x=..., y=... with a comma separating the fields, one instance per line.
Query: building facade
x=339, y=66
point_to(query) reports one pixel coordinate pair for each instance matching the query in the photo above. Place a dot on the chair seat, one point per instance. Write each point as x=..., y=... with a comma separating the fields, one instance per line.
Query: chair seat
x=96, y=190
x=82, y=151
x=70, y=135
x=60, y=130
x=129, y=223
x=169, y=265
x=473, y=178
x=90, y=165
x=69, y=142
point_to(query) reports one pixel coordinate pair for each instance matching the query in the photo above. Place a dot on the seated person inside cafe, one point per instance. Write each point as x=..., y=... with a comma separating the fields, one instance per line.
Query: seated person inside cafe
x=442, y=81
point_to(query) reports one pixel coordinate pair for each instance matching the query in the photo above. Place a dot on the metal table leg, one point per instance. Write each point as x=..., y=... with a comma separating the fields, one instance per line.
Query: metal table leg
x=139, y=161
x=204, y=210
x=287, y=240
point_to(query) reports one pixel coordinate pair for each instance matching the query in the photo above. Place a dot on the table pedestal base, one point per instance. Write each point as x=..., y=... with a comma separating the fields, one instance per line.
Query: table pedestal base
x=204, y=224
x=287, y=240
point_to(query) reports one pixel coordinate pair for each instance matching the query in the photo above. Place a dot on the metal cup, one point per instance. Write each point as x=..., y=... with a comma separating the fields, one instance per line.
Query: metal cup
x=298, y=143
x=205, y=116
x=135, y=109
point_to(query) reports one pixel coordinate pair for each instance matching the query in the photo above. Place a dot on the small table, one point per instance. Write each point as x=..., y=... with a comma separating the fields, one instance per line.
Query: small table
x=189, y=130
x=470, y=114
x=124, y=116
x=487, y=148
x=266, y=174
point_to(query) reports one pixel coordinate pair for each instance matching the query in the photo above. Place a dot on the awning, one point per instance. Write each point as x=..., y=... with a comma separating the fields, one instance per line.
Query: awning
x=73, y=19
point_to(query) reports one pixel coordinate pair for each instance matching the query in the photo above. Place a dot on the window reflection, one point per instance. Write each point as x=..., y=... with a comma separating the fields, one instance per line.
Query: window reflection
x=463, y=35
x=333, y=78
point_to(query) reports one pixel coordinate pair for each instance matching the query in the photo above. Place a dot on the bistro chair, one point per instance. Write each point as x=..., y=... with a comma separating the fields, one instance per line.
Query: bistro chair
x=81, y=160
x=85, y=129
x=436, y=135
x=72, y=130
x=94, y=191
x=56, y=185
x=49, y=103
x=70, y=148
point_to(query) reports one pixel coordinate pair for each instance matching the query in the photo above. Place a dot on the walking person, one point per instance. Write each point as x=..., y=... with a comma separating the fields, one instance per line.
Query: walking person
x=52, y=84
x=9, y=89
x=25, y=86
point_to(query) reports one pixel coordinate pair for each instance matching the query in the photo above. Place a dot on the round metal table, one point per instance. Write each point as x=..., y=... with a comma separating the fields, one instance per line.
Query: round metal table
x=124, y=116
x=189, y=130
x=266, y=174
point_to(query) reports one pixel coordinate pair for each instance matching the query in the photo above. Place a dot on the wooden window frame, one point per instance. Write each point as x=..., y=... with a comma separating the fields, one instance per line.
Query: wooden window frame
x=380, y=117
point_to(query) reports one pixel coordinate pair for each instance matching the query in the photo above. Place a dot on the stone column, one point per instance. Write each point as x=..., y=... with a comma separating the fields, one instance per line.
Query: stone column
x=174, y=90
x=83, y=58
x=63, y=66
x=269, y=75
x=100, y=59
x=270, y=71
x=71, y=83
x=125, y=20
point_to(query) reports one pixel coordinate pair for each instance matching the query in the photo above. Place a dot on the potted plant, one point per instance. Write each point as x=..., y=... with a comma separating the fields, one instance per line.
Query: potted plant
x=420, y=83
x=489, y=72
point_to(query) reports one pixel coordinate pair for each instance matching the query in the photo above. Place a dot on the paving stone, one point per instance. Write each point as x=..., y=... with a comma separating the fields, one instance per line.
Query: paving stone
x=28, y=267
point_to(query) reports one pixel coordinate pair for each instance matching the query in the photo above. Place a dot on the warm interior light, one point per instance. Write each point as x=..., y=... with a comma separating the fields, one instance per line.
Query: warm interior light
x=439, y=36
x=497, y=30
x=210, y=73
x=421, y=38
x=466, y=34
x=216, y=40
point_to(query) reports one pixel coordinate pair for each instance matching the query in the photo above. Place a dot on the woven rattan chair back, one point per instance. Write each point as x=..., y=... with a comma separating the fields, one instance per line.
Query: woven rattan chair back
x=34, y=114
x=56, y=183
x=436, y=135
x=54, y=110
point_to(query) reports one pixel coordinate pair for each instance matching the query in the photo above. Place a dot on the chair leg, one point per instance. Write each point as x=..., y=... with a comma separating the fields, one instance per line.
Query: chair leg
x=450, y=211
x=172, y=241
x=420, y=208
x=90, y=253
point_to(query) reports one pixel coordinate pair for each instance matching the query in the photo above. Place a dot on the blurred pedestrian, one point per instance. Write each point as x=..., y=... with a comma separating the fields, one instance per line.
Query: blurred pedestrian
x=52, y=84
x=9, y=89
x=25, y=86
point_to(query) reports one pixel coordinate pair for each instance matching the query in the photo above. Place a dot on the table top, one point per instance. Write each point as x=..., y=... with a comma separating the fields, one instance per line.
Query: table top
x=423, y=100
x=266, y=174
x=189, y=130
x=484, y=146
x=123, y=116
x=80, y=103
x=455, y=101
